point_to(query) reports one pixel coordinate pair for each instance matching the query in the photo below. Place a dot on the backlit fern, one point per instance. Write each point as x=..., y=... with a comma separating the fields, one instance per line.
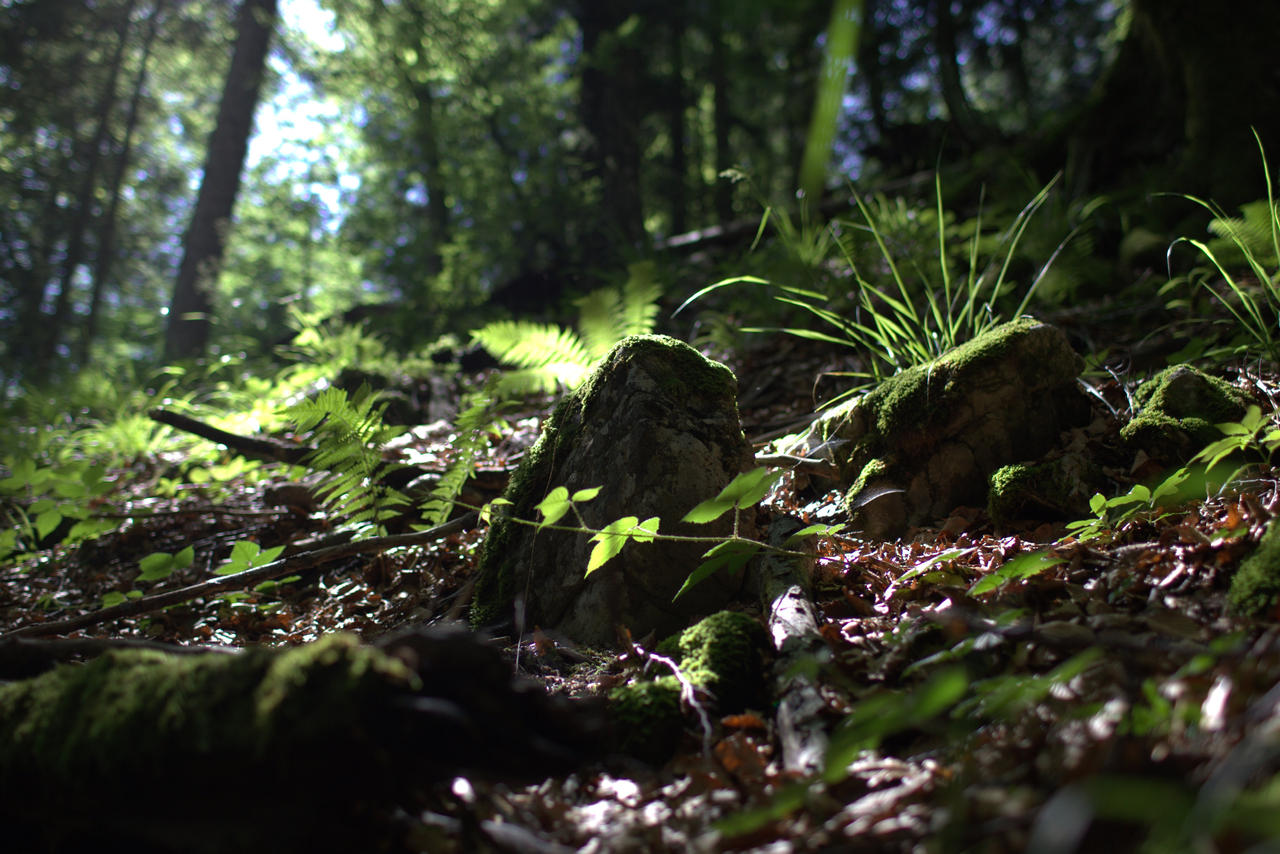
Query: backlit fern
x=349, y=435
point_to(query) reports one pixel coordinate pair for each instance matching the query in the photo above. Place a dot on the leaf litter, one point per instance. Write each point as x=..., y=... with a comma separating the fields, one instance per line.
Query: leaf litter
x=986, y=689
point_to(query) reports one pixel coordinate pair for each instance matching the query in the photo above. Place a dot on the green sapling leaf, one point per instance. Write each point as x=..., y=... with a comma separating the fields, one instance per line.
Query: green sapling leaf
x=584, y=495
x=731, y=554
x=554, y=506
x=1022, y=566
x=610, y=540
x=745, y=490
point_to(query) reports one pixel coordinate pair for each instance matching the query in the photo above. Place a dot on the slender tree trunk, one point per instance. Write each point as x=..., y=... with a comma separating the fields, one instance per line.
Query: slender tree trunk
x=190, y=313
x=85, y=205
x=963, y=117
x=721, y=118
x=428, y=139
x=609, y=107
x=869, y=68
x=107, y=231
x=678, y=197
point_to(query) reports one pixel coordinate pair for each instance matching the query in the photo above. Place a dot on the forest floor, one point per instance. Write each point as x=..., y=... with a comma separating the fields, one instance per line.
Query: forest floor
x=1105, y=701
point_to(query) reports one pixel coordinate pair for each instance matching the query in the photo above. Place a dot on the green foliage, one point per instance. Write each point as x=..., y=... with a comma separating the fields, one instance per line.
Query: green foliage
x=473, y=424
x=1112, y=513
x=922, y=314
x=1252, y=300
x=158, y=566
x=37, y=502
x=247, y=554
x=1204, y=474
x=547, y=357
x=349, y=435
x=1020, y=567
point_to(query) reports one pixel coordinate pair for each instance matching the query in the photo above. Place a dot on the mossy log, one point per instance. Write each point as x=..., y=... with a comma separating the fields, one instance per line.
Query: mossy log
x=281, y=750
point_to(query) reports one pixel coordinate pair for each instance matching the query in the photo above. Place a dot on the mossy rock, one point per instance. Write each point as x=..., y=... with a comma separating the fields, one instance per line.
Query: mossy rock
x=926, y=440
x=723, y=654
x=1177, y=410
x=1055, y=489
x=656, y=426
x=1255, y=589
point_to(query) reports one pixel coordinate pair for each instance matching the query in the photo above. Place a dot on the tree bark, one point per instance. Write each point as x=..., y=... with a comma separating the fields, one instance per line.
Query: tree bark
x=84, y=207
x=609, y=105
x=721, y=118
x=1176, y=107
x=191, y=311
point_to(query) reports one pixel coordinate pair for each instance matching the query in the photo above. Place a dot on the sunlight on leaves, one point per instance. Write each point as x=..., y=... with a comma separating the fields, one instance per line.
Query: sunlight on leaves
x=743, y=491
x=1020, y=567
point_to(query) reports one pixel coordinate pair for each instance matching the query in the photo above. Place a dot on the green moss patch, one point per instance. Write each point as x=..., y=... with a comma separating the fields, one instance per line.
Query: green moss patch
x=723, y=654
x=1177, y=410
x=1255, y=589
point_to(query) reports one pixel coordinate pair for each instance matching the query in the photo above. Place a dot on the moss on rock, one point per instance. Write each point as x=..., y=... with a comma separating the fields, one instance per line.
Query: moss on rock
x=128, y=734
x=723, y=654
x=1055, y=489
x=1255, y=589
x=656, y=425
x=1177, y=410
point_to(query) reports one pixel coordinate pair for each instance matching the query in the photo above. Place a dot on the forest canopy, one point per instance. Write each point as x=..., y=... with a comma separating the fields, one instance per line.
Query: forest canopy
x=433, y=155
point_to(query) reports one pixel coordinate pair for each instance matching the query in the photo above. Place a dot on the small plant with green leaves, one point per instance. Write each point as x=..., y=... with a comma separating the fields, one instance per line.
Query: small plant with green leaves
x=546, y=357
x=918, y=317
x=1253, y=299
x=730, y=553
x=1204, y=474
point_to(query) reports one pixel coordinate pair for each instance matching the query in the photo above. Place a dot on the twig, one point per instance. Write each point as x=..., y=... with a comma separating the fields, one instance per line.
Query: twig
x=239, y=580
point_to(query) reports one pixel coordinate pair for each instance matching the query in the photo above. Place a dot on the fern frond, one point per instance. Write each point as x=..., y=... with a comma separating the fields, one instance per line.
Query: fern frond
x=525, y=344
x=474, y=419
x=638, y=310
x=349, y=435
x=598, y=320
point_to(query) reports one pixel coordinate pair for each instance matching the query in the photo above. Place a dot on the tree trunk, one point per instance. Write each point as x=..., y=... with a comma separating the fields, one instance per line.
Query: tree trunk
x=107, y=230
x=679, y=201
x=84, y=206
x=722, y=119
x=609, y=89
x=963, y=118
x=190, y=313
x=1176, y=106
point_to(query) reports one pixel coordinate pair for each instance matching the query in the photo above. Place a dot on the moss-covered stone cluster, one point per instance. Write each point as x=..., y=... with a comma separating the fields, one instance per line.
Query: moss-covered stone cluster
x=1176, y=411
x=1054, y=489
x=723, y=654
x=926, y=440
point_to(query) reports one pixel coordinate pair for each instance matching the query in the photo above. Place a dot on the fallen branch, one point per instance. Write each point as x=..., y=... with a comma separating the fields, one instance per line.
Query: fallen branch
x=271, y=450
x=239, y=580
x=792, y=623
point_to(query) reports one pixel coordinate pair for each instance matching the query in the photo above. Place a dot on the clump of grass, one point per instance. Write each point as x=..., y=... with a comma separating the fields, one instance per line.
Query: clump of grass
x=1250, y=295
x=917, y=314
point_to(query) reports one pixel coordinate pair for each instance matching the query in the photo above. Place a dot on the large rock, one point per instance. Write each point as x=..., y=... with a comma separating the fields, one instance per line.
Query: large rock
x=656, y=426
x=926, y=441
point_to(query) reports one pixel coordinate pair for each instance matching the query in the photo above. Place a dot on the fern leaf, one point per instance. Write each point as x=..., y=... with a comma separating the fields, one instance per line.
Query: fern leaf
x=598, y=314
x=531, y=345
x=638, y=311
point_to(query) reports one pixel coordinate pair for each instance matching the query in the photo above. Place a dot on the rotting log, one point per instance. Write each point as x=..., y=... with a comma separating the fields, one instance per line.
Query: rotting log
x=785, y=582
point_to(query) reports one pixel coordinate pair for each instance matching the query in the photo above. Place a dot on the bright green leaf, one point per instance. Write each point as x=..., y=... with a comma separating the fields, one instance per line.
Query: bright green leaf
x=609, y=542
x=554, y=506
x=1022, y=566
